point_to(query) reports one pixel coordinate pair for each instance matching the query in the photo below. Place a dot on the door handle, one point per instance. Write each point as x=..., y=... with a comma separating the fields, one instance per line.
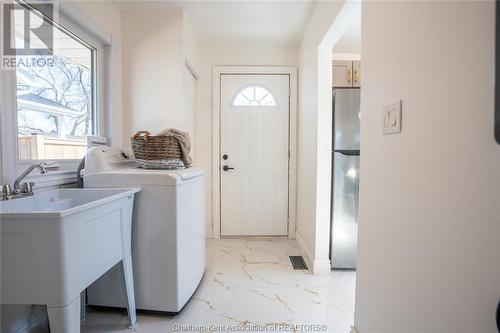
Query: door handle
x=348, y=152
x=226, y=168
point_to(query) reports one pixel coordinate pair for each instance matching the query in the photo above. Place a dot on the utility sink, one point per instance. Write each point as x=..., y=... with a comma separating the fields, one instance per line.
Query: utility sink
x=56, y=243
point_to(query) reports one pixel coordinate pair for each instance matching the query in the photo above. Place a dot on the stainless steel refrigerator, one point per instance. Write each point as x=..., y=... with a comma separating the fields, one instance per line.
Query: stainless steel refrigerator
x=345, y=178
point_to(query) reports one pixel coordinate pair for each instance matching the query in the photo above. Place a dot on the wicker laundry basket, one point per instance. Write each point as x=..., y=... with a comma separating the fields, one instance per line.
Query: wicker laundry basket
x=156, y=152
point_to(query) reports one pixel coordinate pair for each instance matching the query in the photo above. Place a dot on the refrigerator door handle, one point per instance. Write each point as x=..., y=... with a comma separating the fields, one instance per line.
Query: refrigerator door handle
x=348, y=152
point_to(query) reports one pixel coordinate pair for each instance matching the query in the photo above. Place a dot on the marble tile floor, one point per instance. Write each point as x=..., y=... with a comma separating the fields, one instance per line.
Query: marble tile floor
x=250, y=286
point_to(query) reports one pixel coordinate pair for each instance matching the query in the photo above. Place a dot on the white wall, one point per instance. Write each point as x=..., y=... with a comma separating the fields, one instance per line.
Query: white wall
x=226, y=53
x=190, y=43
x=429, y=226
x=158, y=45
x=192, y=56
x=153, y=65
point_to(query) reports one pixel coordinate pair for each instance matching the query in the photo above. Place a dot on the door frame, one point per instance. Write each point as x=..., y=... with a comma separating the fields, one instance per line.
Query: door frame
x=218, y=71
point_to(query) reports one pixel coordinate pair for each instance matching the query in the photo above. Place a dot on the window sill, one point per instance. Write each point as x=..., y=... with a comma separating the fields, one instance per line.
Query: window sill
x=53, y=178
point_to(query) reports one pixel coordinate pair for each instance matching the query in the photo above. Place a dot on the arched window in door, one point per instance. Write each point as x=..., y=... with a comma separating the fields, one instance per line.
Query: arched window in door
x=254, y=96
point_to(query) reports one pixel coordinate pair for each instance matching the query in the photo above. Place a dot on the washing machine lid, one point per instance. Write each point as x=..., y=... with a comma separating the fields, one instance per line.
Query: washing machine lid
x=134, y=176
x=188, y=173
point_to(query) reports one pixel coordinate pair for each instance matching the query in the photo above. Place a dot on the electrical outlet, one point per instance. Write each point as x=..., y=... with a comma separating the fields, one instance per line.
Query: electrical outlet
x=392, y=118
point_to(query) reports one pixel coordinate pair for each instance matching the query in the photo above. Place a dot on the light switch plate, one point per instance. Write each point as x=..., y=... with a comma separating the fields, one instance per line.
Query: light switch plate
x=392, y=118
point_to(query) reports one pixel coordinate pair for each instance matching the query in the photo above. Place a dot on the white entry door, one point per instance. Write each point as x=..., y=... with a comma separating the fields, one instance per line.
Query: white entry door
x=254, y=154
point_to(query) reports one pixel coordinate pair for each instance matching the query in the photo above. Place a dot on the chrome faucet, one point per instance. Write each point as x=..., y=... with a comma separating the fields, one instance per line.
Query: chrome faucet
x=19, y=190
x=28, y=187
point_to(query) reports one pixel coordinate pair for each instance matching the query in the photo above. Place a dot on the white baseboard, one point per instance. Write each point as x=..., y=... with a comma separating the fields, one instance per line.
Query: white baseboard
x=308, y=256
x=209, y=232
x=316, y=266
x=353, y=329
x=322, y=266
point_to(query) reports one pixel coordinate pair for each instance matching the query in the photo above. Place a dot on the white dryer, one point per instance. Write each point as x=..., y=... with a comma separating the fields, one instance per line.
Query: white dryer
x=168, y=235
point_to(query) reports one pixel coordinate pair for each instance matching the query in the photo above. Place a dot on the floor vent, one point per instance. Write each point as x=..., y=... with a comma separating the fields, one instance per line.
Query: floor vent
x=298, y=263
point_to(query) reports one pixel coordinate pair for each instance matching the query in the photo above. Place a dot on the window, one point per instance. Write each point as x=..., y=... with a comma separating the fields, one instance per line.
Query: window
x=56, y=98
x=254, y=96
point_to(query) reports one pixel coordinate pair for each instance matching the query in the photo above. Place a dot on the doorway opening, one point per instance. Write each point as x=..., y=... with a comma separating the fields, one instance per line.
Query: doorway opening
x=345, y=92
x=346, y=153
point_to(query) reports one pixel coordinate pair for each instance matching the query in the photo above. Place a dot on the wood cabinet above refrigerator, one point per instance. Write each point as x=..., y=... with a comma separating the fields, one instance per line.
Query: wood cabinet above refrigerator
x=346, y=73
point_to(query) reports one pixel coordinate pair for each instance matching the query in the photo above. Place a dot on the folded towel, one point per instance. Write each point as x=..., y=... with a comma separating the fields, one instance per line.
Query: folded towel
x=184, y=141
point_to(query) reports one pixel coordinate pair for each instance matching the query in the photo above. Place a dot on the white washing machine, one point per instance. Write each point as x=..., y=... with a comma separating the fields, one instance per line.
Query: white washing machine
x=168, y=235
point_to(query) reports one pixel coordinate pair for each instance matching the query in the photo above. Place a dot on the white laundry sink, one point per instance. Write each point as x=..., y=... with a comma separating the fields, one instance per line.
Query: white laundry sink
x=54, y=244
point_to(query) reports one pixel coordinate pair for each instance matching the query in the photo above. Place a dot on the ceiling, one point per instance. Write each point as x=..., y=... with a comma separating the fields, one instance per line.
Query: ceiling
x=280, y=22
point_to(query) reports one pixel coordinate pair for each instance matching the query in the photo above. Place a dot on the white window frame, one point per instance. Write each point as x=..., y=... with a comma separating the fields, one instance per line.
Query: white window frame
x=70, y=19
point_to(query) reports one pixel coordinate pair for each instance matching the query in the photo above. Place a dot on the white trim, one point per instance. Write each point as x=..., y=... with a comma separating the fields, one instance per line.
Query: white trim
x=107, y=61
x=309, y=258
x=292, y=172
x=8, y=135
x=73, y=19
x=101, y=71
x=346, y=56
x=53, y=178
x=316, y=266
x=322, y=266
x=353, y=329
x=191, y=70
x=209, y=232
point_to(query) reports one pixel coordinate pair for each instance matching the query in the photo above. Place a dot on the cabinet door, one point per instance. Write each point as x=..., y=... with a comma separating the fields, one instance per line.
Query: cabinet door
x=342, y=73
x=356, y=76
